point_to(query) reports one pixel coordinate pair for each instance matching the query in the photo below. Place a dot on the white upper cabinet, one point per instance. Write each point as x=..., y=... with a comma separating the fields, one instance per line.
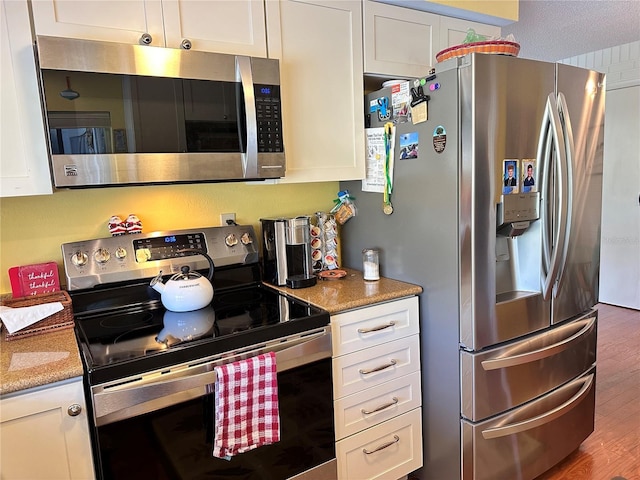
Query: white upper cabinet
x=399, y=41
x=24, y=161
x=225, y=26
x=453, y=31
x=319, y=45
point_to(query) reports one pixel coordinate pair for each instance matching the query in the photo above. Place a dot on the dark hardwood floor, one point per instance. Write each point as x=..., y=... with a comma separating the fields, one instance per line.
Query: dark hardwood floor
x=612, y=451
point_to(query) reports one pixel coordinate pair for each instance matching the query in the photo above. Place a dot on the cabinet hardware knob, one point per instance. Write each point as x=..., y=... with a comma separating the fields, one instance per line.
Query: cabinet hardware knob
x=145, y=39
x=186, y=44
x=74, y=410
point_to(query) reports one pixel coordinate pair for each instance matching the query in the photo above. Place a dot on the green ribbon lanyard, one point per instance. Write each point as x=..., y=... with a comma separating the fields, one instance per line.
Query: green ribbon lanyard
x=387, y=208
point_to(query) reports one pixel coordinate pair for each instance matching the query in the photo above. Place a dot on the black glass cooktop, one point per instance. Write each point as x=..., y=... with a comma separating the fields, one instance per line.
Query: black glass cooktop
x=126, y=331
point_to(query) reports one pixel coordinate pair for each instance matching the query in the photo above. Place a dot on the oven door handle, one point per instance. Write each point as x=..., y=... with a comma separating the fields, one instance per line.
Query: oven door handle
x=113, y=402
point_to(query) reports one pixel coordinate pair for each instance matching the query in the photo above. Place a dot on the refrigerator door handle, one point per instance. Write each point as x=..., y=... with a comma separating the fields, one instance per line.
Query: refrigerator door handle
x=559, y=229
x=568, y=184
x=544, y=161
x=509, y=360
x=519, y=427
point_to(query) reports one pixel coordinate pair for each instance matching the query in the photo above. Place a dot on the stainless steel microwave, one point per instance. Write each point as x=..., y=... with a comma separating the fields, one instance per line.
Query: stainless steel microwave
x=121, y=114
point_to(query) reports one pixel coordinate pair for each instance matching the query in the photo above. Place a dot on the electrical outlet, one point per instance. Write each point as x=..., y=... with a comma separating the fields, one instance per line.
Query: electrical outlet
x=227, y=218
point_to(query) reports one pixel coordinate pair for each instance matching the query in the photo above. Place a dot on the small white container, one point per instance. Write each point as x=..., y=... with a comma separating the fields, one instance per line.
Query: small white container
x=371, y=264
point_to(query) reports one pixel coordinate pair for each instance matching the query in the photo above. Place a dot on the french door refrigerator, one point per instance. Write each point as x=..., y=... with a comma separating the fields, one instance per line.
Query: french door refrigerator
x=496, y=198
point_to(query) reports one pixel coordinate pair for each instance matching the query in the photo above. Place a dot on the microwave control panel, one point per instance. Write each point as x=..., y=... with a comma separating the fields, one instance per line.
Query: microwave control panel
x=268, y=113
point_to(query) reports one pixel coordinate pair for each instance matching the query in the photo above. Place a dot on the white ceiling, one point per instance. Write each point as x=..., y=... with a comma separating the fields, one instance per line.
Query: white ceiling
x=558, y=29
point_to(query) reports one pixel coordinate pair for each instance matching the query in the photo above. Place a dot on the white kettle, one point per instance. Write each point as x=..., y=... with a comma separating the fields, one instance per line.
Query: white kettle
x=186, y=291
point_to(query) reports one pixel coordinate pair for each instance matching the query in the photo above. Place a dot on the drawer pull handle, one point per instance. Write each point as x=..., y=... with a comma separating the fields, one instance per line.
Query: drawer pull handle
x=375, y=329
x=381, y=407
x=377, y=369
x=396, y=439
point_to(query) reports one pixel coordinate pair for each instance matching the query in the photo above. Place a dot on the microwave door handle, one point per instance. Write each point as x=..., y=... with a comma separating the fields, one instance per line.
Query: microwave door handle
x=568, y=186
x=244, y=74
x=547, y=417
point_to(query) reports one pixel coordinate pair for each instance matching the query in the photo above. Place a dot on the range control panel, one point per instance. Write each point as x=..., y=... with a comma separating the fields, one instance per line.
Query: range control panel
x=127, y=257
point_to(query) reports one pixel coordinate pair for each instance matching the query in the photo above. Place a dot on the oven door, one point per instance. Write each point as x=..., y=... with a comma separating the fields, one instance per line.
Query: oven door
x=160, y=425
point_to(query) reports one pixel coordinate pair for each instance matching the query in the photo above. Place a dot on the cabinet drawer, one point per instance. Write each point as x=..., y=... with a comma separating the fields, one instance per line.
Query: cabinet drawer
x=386, y=451
x=376, y=405
x=366, y=327
x=364, y=369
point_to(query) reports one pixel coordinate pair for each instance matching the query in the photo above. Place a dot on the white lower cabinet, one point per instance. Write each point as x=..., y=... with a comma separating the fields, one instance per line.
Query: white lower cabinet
x=389, y=450
x=377, y=391
x=44, y=434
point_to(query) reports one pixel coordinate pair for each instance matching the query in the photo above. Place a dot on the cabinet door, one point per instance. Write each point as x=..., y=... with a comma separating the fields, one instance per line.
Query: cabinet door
x=399, y=42
x=39, y=425
x=107, y=20
x=224, y=26
x=453, y=31
x=24, y=161
x=319, y=45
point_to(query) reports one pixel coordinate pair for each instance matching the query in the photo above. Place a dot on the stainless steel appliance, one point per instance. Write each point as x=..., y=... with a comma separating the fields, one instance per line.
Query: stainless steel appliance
x=509, y=263
x=143, y=114
x=286, y=251
x=150, y=372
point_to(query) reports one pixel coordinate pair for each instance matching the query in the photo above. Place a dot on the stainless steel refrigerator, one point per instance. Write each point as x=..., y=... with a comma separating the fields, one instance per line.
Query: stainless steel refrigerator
x=508, y=255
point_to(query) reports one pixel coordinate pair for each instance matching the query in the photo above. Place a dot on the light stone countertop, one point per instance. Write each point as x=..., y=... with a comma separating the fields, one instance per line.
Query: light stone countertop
x=38, y=360
x=350, y=292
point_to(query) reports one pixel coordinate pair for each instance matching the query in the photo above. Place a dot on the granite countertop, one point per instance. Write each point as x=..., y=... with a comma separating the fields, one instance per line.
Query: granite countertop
x=54, y=356
x=350, y=292
x=38, y=360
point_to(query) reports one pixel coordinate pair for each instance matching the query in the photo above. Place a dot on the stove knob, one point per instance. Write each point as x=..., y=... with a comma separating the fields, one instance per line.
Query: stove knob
x=102, y=255
x=79, y=259
x=121, y=253
x=231, y=240
x=246, y=239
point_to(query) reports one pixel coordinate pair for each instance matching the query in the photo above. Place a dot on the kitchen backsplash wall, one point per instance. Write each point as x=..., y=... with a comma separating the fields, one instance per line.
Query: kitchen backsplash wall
x=32, y=229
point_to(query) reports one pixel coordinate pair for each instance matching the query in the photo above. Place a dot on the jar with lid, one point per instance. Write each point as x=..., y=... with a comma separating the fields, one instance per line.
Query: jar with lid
x=371, y=264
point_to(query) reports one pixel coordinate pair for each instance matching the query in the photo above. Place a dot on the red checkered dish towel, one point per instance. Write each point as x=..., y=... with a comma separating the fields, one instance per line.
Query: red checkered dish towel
x=246, y=411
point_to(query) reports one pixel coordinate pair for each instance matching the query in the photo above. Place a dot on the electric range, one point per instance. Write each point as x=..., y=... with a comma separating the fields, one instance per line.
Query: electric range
x=123, y=328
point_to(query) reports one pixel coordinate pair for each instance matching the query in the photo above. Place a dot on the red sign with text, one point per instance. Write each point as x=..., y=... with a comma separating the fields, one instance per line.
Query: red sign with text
x=34, y=279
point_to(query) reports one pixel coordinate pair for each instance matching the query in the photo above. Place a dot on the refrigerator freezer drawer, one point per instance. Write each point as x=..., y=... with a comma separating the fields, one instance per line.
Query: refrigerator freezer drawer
x=505, y=377
x=527, y=441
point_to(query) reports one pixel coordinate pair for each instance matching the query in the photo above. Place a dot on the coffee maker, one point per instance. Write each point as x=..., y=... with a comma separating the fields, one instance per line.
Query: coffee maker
x=286, y=252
